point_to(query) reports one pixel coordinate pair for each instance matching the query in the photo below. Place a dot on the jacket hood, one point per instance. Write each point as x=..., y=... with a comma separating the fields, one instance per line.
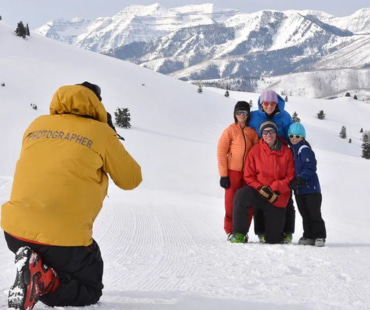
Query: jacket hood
x=280, y=104
x=78, y=100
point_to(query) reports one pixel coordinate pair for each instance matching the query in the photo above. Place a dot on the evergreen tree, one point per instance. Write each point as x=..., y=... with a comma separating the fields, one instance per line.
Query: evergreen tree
x=321, y=115
x=227, y=93
x=200, y=89
x=123, y=117
x=349, y=140
x=348, y=94
x=355, y=97
x=286, y=98
x=250, y=103
x=366, y=150
x=365, y=137
x=21, y=30
x=295, y=118
x=27, y=30
x=343, y=132
x=361, y=130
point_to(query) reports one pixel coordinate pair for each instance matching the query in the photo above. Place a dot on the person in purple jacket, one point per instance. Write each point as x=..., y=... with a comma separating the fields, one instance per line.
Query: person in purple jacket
x=306, y=187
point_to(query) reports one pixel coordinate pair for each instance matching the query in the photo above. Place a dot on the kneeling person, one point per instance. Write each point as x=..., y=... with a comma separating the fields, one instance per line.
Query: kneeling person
x=268, y=171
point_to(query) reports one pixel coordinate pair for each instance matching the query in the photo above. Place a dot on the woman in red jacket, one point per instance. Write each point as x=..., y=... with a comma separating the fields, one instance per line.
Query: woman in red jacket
x=268, y=172
x=233, y=147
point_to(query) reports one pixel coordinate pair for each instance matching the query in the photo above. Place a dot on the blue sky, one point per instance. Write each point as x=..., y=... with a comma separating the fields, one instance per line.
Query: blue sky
x=38, y=12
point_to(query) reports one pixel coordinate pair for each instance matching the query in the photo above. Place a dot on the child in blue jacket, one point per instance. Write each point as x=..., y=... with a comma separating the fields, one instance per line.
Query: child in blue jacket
x=306, y=187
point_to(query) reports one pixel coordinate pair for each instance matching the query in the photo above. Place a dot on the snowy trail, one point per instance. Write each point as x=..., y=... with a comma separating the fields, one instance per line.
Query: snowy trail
x=174, y=254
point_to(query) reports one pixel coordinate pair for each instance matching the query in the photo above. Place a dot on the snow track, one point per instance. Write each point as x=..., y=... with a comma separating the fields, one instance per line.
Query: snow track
x=164, y=253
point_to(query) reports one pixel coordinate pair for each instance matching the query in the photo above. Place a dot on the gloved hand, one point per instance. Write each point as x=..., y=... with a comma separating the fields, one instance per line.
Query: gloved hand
x=225, y=182
x=296, y=183
x=267, y=193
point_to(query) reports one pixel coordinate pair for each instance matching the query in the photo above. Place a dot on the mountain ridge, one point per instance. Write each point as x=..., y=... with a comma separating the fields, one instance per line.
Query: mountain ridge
x=201, y=43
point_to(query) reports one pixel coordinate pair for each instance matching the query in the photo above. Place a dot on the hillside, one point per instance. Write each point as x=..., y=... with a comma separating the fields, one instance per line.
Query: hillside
x=163, y=244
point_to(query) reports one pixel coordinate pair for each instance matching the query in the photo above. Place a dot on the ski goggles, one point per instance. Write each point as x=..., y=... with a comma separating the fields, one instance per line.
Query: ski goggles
x=240, y=112
x=295, y=136
x=266, y=132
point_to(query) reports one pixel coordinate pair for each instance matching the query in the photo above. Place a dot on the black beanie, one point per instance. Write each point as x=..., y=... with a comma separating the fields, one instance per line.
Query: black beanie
x=93, y=87
x=242, y=105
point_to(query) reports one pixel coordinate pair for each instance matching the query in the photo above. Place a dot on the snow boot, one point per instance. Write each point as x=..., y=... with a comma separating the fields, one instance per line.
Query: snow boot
x=239, y=238
x=261, y=238
x=33, y=280
x=320, y=242
x=287, y=238
x=306, y=241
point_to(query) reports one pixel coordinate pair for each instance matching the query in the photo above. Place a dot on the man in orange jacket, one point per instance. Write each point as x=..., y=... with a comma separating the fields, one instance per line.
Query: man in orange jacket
x=60, y=182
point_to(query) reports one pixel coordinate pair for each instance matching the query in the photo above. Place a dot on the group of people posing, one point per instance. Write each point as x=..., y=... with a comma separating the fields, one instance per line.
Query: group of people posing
x=262, y=157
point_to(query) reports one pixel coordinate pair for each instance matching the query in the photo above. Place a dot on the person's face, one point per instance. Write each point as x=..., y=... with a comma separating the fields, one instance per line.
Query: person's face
x=294, y=139
x=269, y=107
x=241, y=116
x=269, y=136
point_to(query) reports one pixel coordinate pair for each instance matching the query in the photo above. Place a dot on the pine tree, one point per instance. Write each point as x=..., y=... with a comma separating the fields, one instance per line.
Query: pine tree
x=227, y=93
x=343, y=132
x=27, y=30
x=349, y=140
x=123, y=117
x=366, y=150
x=20, y=30
x=200, y=89
x=348, y=94
x=295, y=118
x=321, y=115
x=355, y=97
x=286, y=98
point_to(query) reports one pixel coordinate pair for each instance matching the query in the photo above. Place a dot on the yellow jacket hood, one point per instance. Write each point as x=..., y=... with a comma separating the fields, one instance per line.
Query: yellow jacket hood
x=78, y=100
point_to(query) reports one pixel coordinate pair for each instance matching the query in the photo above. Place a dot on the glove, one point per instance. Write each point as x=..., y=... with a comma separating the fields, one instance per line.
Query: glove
x=296, y=183
x=267, y=193
x=225, y=182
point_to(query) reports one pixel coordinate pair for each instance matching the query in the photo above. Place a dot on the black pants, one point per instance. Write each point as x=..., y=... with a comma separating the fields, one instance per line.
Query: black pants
x=289, y=225
x=273, y=217
x=79, y=268
x=309, y=206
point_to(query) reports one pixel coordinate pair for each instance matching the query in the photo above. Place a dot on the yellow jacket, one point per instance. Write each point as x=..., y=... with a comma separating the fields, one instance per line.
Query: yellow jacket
x=61, y=179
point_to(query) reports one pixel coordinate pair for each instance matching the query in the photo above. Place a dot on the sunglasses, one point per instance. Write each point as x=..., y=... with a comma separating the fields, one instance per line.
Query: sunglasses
x=245, y=113
x=266, y=132
x=295, y=136
x=266, y=104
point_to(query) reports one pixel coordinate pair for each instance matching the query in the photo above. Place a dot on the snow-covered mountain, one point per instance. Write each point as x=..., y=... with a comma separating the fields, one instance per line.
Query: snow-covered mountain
x=202, y=43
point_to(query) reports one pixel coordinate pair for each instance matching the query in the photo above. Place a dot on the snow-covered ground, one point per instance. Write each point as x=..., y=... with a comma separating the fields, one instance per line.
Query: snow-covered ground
x=163, y=243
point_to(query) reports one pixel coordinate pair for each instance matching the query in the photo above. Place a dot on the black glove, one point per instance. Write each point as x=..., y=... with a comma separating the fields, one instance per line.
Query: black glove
x=267, y=193
x=225, y=182
x=296, y=183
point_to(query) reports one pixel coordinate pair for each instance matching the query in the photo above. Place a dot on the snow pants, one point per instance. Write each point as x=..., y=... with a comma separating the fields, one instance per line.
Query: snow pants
x=79, y=269
x=309, y=206
x=236, y=182
x=289, y=226
x=273, y=217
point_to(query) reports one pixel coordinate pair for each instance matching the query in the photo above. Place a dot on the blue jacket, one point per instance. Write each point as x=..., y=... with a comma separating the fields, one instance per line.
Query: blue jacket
x=281, y=118
x=305, y=167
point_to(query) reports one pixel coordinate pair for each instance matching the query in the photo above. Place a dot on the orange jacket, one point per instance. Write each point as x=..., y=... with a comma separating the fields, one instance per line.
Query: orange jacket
x=61, y=177
x=233, y=147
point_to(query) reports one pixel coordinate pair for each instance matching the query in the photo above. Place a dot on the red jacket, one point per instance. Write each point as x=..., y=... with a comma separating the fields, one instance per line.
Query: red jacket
x=270, y=167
